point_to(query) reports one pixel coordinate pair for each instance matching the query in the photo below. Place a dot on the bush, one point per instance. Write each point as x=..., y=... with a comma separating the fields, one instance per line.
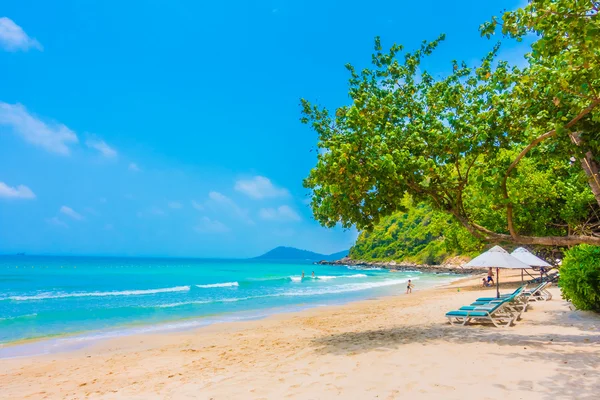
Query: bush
x=580, y=277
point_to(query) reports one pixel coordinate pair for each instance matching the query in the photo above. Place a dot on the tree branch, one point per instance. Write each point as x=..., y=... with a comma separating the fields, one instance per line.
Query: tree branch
x=523, y=153
x=569, y=240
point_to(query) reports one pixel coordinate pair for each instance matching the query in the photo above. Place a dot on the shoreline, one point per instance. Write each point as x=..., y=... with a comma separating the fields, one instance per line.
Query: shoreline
x=65, y=342
x=374, y=348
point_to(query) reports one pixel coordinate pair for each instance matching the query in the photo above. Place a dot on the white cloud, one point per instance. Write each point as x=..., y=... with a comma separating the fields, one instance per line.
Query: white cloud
x=134, y=167
x=102, y=147
x=56, y=222
x=197, y=205
x=175, y=205
x=14, y=38
x=20, y=192
x=281, y=213
x=68, y=211
x=208, y=225
x=53, y=137
x=224, y=202
x=259, y=187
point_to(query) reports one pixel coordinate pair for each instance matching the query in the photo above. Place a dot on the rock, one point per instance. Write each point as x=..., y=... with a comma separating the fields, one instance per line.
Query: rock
x=452, y=267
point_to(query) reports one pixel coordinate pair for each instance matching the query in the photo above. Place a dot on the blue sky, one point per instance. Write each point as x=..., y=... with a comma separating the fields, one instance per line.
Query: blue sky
x=171, y=128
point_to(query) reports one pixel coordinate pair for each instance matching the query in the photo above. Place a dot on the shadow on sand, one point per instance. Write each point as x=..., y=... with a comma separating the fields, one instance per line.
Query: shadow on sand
x=552, y=349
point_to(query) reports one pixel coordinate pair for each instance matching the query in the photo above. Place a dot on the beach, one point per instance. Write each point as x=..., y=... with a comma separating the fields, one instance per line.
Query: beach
x=386, y=348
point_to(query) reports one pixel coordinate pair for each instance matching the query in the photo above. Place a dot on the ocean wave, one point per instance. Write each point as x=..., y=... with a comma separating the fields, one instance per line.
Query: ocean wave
x=313, y=291
x=343, y=288
x=295, y=278
x=218, y=285
x=54, y=295
x=19, y=317
x=327, y=277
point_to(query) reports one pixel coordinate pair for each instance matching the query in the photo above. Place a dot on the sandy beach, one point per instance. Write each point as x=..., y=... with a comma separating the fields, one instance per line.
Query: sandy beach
x=389, y=348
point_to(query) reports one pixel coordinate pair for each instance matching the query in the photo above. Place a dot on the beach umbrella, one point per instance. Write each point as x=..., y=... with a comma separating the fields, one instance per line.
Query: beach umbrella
x=497, y=257
x=530, y=259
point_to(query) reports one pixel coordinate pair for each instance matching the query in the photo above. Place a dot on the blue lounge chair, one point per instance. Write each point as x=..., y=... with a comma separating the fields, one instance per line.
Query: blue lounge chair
x=502, y=296
x=497, y=313
x=540, y=293
x=515, y=304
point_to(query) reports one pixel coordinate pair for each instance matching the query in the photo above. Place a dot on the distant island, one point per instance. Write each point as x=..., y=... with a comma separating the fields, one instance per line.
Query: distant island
x=291, y=253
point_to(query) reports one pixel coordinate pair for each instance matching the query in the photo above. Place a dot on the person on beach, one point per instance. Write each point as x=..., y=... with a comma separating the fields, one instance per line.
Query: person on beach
x=484, y=282
x=490, y=277
x=409, y=287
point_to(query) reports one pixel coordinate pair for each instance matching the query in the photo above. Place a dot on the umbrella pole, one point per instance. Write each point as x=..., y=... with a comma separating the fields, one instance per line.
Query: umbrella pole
x=522, y=276
x=497, y=283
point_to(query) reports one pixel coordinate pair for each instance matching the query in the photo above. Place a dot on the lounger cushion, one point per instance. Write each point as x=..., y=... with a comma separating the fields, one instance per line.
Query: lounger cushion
x=468, y=308
x=459, y=313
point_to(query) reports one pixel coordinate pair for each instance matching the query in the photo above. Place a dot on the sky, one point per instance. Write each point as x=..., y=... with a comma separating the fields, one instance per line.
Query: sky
x=171, y=128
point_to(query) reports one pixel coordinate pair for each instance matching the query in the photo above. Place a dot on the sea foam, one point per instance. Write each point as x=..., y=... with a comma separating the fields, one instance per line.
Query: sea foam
x=54, y=295
x=218, y=285
x=313, y=291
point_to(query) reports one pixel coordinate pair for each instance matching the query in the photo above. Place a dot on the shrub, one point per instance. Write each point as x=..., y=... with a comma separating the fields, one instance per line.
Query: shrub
x=580, y=277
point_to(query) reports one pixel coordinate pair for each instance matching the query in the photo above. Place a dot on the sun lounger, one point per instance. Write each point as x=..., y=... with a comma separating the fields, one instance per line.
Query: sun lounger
x=540, y=293
x=516, y=304
x=502, y=296
x=498, y=313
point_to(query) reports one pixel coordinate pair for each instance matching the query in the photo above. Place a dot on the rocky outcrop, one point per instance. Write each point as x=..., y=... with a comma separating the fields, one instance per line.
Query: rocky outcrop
x=453, y=266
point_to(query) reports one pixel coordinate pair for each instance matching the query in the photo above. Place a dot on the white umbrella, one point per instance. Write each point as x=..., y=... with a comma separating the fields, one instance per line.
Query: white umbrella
x=530, y=259
x=522, y=254
x=497, y=257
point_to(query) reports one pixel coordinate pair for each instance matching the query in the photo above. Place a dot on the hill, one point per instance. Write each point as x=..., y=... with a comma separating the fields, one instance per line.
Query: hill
x=291, y=253
x=419, y=235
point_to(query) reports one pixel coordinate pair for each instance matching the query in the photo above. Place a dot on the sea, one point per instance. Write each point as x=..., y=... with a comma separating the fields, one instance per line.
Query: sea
x=62, y=302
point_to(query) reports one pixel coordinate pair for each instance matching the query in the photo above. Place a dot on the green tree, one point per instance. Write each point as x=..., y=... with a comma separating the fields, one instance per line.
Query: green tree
x=490, y=145
x=420, y=235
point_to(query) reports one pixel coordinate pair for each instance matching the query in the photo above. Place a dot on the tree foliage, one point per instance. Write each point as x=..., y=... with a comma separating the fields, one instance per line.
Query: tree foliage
x=580, y=277
x=509, y=152
x=421, y=235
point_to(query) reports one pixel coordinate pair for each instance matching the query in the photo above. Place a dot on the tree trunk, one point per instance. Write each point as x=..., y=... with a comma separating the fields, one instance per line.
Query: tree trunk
x=493, y=237
x=590, y=167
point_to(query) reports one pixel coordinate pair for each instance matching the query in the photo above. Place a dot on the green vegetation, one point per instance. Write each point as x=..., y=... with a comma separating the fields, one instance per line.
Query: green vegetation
x=419, y=235
x=510, y=153
x=580, y=277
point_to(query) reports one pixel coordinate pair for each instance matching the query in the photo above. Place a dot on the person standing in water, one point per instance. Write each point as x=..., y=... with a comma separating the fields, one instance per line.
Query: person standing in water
x=302, y=275
x=313, y=274
x=409, y=287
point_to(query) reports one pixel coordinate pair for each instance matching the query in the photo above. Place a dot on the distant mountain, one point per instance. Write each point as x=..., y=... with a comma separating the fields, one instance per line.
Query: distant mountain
x=291, y=253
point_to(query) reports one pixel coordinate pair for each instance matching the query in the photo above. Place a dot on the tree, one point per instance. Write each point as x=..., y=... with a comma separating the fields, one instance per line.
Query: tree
x=419, y=235
x=561, y=88
x=490, y=145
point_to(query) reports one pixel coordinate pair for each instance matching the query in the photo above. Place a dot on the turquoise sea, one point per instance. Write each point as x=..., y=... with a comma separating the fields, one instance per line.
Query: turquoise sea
x=87, y=298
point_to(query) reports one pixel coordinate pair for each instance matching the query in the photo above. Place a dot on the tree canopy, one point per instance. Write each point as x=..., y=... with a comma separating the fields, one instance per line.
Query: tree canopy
x=510, y=152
